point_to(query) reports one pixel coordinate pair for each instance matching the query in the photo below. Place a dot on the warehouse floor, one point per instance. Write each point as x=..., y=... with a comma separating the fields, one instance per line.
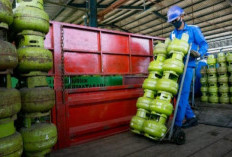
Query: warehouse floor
x=202, y=140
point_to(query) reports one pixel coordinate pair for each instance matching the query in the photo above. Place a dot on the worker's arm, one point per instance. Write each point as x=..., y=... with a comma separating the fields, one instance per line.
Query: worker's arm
x=200, y=40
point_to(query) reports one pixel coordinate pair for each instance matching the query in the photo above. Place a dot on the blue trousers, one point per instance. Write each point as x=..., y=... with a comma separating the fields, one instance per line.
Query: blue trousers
x=184, y=109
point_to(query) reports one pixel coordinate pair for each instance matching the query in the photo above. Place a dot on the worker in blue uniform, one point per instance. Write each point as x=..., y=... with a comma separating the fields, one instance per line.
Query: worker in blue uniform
x=199, y=46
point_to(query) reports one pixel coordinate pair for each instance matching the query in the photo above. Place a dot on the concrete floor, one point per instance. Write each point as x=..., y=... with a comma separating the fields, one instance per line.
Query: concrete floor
x=201, y=141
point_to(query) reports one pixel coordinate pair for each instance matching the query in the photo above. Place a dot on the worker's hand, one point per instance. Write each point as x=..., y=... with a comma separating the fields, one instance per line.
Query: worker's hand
x=194, y=54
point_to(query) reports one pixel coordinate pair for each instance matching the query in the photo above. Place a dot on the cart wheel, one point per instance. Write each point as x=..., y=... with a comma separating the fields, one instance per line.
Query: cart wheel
x=179, y=137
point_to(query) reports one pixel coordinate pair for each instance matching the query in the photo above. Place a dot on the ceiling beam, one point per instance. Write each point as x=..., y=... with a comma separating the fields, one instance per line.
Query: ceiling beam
x=166, y=20
x=110, y=8
x=202, y=15
x=148, y=14
x=83, y=6
x=61, y=10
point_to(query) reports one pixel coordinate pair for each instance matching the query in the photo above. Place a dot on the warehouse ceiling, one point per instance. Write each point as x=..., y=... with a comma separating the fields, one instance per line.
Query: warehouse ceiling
x=148, y=17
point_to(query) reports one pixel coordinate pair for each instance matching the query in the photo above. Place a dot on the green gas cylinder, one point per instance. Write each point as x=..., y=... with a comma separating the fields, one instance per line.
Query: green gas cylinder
x=39, y=139
x=229, y=57
x=212, y=78
x=212, y=70
x=211, y=60
x=155, y=127
x=179, y=45
x=223, y=88
x=223, y=78
x=161, y=48
x=224, y=98
x=204, y=79
x=168, y=82
x=38, y=99
x=162, y=103
x=144, y=103
x=29, y=15
x=34, y=59
x=221, y=58
x=30, y=38
x=213, y=98
x=157, y=64
x=10, y=102
x=204, y=97
x=149, y=93
x=11, y=146
x=175, y=63
x=8, y=56
x=138, y=120
x=6, y=14
x=7, y=126
x=161, y=106
x=222, y=68
x=204, y=88
x=151, y=81
x=213, y=88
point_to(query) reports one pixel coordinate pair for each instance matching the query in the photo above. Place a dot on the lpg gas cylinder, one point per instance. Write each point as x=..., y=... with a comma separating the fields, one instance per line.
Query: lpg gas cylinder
x=144, y=103
x=213, y=98
x=138, y=120
x=224, y=98
x=222, y=68
x=6, y=14
x=29, y=15
x=175, y=63
x=221, y=58
x=168, y=83
x=157, y=64
x=34, y=59
x=10, y=102
x=155, y=127
x=38, y=99
x=11, y=146
x=8, y=56
x=7, y=126
x=204, y=97
x=39, y=138
x=212, y=78
x=30, y=38
x=211, y=60
x=179, y=45
x=223, y=78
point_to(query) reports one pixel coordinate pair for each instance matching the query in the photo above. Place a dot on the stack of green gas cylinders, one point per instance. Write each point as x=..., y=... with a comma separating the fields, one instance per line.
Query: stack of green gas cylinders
x=204, y=84
x=215, y=86
x=159, y=88
x=31, y=24
x=11, y=143
x=212, y=79
x=229, y=70
x=223, y=79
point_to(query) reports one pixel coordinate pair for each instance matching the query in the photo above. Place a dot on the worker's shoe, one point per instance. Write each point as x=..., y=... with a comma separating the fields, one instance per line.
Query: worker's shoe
x=190, y=122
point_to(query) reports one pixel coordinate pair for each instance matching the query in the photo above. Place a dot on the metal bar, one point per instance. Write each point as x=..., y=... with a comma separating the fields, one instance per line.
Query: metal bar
x=155, y=18
x=222, y=21
x=179, y=93
x=93, y=13
x=113, y=6
x=149, y=15
x=64, y=5
x=186, y=20
x=193, y=88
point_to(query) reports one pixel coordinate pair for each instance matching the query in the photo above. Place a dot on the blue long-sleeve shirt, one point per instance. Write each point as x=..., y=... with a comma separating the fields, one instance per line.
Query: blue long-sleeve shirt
x=195, y=37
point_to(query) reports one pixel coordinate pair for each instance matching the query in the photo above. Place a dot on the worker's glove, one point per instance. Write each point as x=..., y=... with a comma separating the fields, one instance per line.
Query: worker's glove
x=194, y=54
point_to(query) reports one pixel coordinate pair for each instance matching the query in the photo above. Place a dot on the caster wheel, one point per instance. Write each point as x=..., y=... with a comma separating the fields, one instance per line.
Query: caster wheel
x=179, y=137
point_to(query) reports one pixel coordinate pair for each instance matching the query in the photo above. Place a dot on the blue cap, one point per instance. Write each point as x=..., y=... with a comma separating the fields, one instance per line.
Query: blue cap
x=174, y=12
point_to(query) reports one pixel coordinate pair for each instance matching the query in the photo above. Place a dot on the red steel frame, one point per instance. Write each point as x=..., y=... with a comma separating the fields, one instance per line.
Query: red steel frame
x=85, y=114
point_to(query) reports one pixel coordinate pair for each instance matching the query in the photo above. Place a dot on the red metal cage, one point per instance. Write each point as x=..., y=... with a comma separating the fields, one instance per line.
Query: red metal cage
x=89, y=113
